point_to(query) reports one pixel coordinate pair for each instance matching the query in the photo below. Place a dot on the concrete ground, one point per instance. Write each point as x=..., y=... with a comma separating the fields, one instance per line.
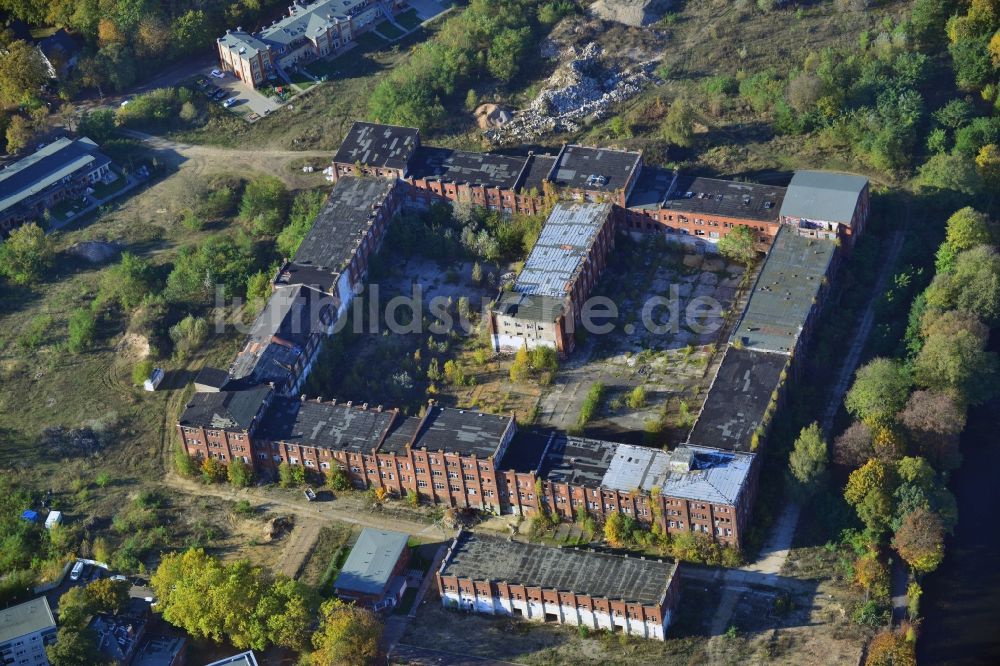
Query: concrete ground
x=248, y=100
x=670, y=361
x=428, y=9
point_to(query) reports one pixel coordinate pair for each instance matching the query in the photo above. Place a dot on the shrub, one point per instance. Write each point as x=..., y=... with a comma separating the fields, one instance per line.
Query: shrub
x=212, y=471
x=291, y=476
x=82, y=327
x=187, y=335
x=637, y=398
x=141, y=371
x=239, y=473
x=591, y=403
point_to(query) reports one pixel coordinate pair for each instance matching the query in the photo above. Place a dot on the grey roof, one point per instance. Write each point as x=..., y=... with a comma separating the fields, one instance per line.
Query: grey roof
x=715, y=476
x=327, y=425
x=230, y=410
x=378, y=145
x=243, y=42
x=247, y=658
x=369, y=567
x=118, y=635
x=279, y=335
x=159, y=651
x=459, y=431
x=529, y=307
x=737, y=399
x=595, y=169
x=563, y=245
x=211, y=377
x=24, y=619
x=343, y=222
x=728, y=198
x=46, y=167
x=784, y=295
x=598, y=575
x=651, y=188
x=824, y=196
x=462, y=431
x=310, y=20
x=459, y=166
x=536, y=172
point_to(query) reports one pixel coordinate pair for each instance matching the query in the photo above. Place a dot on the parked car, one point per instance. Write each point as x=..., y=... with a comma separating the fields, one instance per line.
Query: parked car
x=310, y=494
x=219, y=95
x=230, y=102
x=217, y=74
x=77, y=571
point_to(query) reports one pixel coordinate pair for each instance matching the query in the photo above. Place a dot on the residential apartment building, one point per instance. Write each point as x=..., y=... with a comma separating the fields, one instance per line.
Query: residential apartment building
x=309, y=31
x=32, y=185
x=546, y=301
x=635, y=596
x=25, y=630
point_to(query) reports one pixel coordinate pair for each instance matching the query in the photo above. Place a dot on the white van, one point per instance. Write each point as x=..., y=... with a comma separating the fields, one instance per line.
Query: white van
x=77, y=570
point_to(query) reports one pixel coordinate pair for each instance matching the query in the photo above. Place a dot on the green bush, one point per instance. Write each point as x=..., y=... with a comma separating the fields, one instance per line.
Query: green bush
x=82, y=327
x=291, y=476
x=591, y=404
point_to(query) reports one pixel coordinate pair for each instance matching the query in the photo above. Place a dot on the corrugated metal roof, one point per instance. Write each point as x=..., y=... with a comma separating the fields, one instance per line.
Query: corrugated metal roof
x=562, y=247
x=825, y=196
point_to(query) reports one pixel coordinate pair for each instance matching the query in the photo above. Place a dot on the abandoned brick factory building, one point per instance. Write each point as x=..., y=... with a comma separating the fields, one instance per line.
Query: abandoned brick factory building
x=631, y=595
x=468, y=459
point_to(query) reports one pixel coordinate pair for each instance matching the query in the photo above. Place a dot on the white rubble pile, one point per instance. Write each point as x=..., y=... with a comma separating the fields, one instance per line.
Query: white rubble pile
x=580, y=88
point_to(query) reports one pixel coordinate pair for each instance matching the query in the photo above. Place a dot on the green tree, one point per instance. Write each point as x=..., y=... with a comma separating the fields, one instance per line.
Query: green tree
x=22, y=73
x=880, y=390
x=82, y=328
x=869, y=490
x=26, y=254
x=920, y=540
x=128, y=282
x=808, y=459
x=239, y=473
x=183, y=463
x=678, y=125
x=258, y=290
x=212, y=471
x=291, y=476
x=19, y=134
x=191, y=31
x=263, y=196
x=889, y=648
x=521, y=367
x=188, y=335
x=967, y=228
x=958, y=363
x=108, y=596
x=619, y=529
x=506, y=52
x=348, y=635
x=973, y=285
x=305, y=207
x=544, y=359
x=74, y=647
x=739, y=245
x=933, y=422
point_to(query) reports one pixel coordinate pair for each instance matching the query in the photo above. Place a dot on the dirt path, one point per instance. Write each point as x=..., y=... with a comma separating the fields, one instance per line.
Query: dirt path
x=298, y=547
x=323, y=511
x=202, y=159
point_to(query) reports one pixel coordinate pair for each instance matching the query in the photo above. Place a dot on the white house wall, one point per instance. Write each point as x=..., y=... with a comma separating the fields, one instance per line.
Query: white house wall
x=564, y=614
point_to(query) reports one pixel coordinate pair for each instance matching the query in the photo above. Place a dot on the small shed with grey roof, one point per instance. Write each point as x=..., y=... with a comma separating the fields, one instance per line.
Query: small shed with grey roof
x=825, y=196
x=373, y=572
x=380, y=146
